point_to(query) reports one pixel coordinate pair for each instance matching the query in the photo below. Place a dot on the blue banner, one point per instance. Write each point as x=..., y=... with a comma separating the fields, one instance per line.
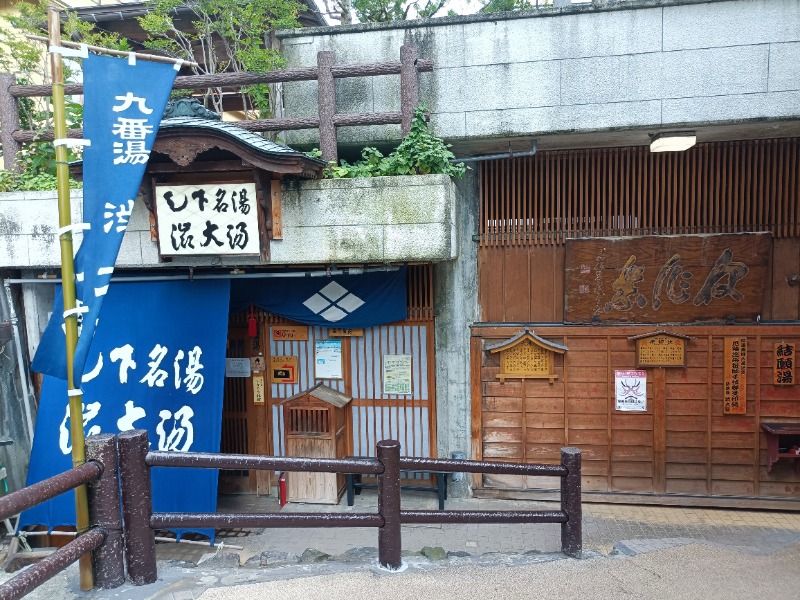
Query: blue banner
x=122, y=111
x=348, y=301
x=157, y=363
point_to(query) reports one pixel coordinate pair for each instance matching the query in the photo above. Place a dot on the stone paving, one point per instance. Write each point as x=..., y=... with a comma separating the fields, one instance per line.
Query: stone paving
x=606, y=527
x=611, y=533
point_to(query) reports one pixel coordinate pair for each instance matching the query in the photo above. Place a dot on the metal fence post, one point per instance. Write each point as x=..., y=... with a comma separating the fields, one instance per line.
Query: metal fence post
x=572, y=530
x=109, y=571
x=389, y=542
x=137, y=506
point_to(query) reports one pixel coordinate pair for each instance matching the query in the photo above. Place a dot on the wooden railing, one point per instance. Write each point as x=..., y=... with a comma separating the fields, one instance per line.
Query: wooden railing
x=325, y=73
x=104, y=538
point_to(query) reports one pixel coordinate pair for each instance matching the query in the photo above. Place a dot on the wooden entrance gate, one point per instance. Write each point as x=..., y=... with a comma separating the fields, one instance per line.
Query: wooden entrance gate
x=254, y=427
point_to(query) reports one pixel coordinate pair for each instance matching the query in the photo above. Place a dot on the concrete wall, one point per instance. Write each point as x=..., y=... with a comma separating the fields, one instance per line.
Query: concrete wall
x=644, y=65
x=456, y=309
x=384, y=219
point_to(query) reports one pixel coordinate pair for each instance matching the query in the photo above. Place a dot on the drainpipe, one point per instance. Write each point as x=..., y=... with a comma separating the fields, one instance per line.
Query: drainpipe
x=23, y=375
x=509, y=154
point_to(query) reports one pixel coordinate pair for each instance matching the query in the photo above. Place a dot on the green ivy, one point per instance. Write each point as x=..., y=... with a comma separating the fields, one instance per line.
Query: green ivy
x=420, y=153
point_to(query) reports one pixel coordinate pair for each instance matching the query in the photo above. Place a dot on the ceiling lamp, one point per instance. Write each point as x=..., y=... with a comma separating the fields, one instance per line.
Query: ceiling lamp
x=672, y=141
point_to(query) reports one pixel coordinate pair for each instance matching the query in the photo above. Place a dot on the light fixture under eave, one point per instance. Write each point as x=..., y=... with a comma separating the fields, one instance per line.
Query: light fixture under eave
x=672, y=141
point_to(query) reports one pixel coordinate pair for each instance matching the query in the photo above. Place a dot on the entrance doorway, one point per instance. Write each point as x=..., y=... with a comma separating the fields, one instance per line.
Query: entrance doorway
x=252, y=420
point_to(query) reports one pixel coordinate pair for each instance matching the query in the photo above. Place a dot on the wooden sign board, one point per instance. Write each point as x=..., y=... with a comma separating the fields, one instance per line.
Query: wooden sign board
x=783, y=355
x=298, y=333
x=283, y=369
x=661, y=350
x=258, y=390
x=207, y=219
x=666, y=279
x=526, y=356
x=338, y=332
x=526, y=359
x=735, y=376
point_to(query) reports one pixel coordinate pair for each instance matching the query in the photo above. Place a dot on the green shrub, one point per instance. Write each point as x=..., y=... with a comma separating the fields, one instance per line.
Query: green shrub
x=420, y=153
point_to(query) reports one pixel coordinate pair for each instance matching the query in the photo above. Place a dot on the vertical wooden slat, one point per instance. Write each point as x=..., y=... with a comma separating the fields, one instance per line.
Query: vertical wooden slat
x=537, y=195
x=781, y=217
x=476, y=403
x=431, y=353
x=737, y=198
x=659, y=430
x=709, y=410
x=794, y=192
x=560, y=194
x=482, y=216
x=757, y=430
x=713, y=188
x=769, y=179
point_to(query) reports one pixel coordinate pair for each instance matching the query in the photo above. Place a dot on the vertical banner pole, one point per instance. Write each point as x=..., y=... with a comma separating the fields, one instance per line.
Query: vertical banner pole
x=68, y=286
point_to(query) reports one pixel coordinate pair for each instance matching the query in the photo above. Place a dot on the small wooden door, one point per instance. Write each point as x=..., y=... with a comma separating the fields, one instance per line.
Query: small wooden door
x=244, y=417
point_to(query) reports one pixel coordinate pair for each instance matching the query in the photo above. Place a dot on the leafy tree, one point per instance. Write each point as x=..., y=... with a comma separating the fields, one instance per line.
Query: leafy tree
x=226, y=36
x=420, y=153
x=31, y=64
x=494, y=6
x=385, y=11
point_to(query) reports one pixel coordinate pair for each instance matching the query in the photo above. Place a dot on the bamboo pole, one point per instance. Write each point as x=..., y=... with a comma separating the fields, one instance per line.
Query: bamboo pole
x=112, y=52
x=68, y=287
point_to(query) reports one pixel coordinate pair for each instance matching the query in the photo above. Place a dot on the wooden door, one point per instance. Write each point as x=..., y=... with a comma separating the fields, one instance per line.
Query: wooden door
x=372, y=414
x=244, y=420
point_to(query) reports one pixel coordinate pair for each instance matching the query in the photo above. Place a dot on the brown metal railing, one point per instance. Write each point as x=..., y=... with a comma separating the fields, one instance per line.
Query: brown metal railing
x=104, y=536
x=141, y=522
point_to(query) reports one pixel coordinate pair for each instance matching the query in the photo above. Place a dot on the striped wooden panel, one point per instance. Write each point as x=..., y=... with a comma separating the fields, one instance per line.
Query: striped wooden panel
x=712, y=188
x=375, y=415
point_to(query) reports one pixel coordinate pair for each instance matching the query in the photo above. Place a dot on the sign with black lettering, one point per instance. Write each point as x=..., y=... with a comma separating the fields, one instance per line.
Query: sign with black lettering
x=209, y=219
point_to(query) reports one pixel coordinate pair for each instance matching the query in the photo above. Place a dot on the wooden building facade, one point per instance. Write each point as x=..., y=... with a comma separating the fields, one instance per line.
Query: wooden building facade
x=597, y=250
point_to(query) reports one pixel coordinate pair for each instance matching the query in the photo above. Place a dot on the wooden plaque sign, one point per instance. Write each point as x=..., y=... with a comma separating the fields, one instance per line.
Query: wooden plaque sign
x=783, y=364
x=339, y=332
x=526, y=356
x=660, y=349
x=666, y=279
x=258, y=390
x=735, y=377
x=290, y=332
x=526, y=359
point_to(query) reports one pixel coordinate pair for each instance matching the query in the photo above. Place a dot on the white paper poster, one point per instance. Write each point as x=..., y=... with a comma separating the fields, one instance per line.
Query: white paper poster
x=631, y=390
x=396, y=373
x=328, y=359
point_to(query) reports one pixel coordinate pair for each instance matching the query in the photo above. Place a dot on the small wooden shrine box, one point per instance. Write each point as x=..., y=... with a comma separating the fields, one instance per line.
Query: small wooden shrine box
x=316, y=426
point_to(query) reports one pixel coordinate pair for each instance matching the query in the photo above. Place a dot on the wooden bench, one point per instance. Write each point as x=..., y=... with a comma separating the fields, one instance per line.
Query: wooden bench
x=355, y=485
